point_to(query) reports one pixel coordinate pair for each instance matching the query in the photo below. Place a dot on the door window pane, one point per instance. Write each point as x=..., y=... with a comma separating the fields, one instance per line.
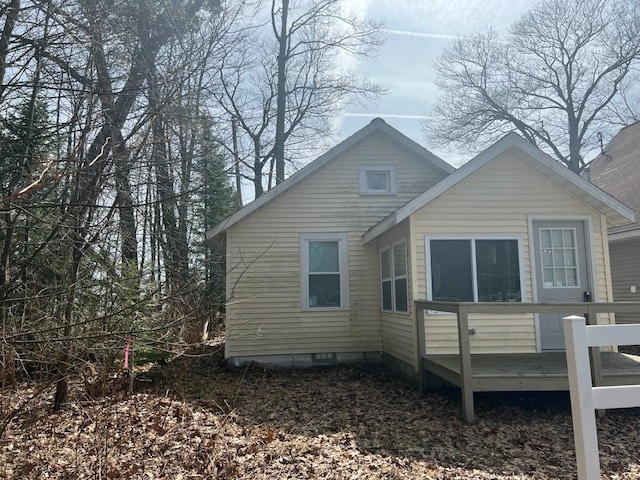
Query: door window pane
x=547, y=273
x=570, y=258
x=559, y=277
x=568, y=238
x=451, y=270
x=559, y=260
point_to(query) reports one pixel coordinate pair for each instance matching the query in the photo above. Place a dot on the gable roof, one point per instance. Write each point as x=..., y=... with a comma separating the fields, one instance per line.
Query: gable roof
x=617, y=171
x=376, y=125
x=616, y=212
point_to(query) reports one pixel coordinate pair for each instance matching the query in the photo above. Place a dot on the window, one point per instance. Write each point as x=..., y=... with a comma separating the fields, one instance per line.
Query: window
x=324, y=271
x=559, y=257
x=377, y=180
x=474, y=270
x=387, y=280
x=393, y=274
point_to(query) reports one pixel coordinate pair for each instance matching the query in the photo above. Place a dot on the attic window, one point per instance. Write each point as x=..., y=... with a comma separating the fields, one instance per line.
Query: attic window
x=378, y=180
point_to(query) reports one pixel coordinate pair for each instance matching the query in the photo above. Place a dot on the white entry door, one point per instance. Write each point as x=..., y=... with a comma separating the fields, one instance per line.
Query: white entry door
x=562, y=273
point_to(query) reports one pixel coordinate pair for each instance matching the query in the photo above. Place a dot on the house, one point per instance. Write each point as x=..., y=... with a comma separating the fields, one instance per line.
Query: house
x=617, y=171
x=326, y=266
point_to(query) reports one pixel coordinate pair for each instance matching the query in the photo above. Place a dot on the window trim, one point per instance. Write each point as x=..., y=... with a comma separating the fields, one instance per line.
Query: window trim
x=343, y=263
x=390, y=247
x=363, y=187
x=474, y=266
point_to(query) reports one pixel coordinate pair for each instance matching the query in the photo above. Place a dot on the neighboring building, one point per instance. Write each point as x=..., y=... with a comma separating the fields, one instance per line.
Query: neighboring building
x=617, y=172
x=325, y=267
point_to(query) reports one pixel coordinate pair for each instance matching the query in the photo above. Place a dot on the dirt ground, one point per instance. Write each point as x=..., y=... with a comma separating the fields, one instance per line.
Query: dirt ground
x=195, y=419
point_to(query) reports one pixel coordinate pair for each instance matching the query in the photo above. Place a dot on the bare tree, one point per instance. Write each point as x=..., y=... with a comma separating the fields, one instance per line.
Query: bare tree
x=555, y=78
x=96, y=78
x=284, y=87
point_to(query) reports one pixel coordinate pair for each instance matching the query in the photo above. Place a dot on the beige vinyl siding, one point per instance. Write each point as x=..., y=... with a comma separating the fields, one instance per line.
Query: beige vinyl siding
x=263, y=280
x=398, y=337
x=625, y=271
x=498, y=199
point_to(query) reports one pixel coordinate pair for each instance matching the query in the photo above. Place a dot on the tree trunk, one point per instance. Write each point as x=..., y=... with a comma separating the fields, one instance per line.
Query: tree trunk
x=283, y=40
x=236, y=160
x=174, y=249
x=257, y=168
x=127, y=220
x=13, y=9
x=62, y=383
x=575, y=159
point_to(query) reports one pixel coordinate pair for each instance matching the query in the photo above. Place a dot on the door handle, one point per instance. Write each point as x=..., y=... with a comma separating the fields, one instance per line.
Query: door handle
x=586, y=297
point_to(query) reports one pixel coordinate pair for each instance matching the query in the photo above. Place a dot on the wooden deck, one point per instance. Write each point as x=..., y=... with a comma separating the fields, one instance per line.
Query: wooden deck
x=528, y=371
x=517, y=372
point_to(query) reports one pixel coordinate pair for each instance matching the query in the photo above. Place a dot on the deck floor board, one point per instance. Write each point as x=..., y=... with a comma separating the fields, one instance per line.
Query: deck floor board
x=530, y=371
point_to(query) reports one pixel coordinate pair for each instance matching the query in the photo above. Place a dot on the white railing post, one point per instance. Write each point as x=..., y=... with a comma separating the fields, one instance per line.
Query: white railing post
x=581, y=391
x=585, y=398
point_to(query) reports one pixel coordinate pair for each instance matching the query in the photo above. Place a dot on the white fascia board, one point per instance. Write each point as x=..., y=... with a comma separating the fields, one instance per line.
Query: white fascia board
x=294, y=179
x=628, y=235
x=380, y=228
x=550, y=167
x=456, y=177
x=437, y=190
x=583, y=185
x=377, y=124
x=415, y=147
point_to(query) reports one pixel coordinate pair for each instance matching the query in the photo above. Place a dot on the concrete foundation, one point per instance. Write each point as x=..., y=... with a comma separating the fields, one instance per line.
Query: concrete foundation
x=307, y=360
x=400, y=368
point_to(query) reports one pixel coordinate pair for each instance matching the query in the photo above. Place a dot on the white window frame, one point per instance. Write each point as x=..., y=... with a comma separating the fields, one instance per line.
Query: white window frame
x=389, y=169
x=343, y=264
x=474, y=266
x=394, y=277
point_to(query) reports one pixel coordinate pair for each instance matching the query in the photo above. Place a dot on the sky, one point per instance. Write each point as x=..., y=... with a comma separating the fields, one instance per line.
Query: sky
x=416, y=33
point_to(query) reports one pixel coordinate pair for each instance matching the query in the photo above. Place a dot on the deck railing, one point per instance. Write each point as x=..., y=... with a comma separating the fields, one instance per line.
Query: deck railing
x=464, y=309
x=584, y=396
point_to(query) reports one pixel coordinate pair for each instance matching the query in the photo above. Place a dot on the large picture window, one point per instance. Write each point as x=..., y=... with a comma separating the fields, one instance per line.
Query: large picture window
x=393, y=273
x=324, y=271
x=474, y=270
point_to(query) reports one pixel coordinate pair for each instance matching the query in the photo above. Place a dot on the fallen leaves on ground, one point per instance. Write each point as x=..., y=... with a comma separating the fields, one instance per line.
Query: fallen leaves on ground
x=195, y=419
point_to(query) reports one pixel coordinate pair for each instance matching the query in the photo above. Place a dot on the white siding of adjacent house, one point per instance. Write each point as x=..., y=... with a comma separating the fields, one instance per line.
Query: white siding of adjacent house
x=498, y=199
x=625, y=272
x=264, y=315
